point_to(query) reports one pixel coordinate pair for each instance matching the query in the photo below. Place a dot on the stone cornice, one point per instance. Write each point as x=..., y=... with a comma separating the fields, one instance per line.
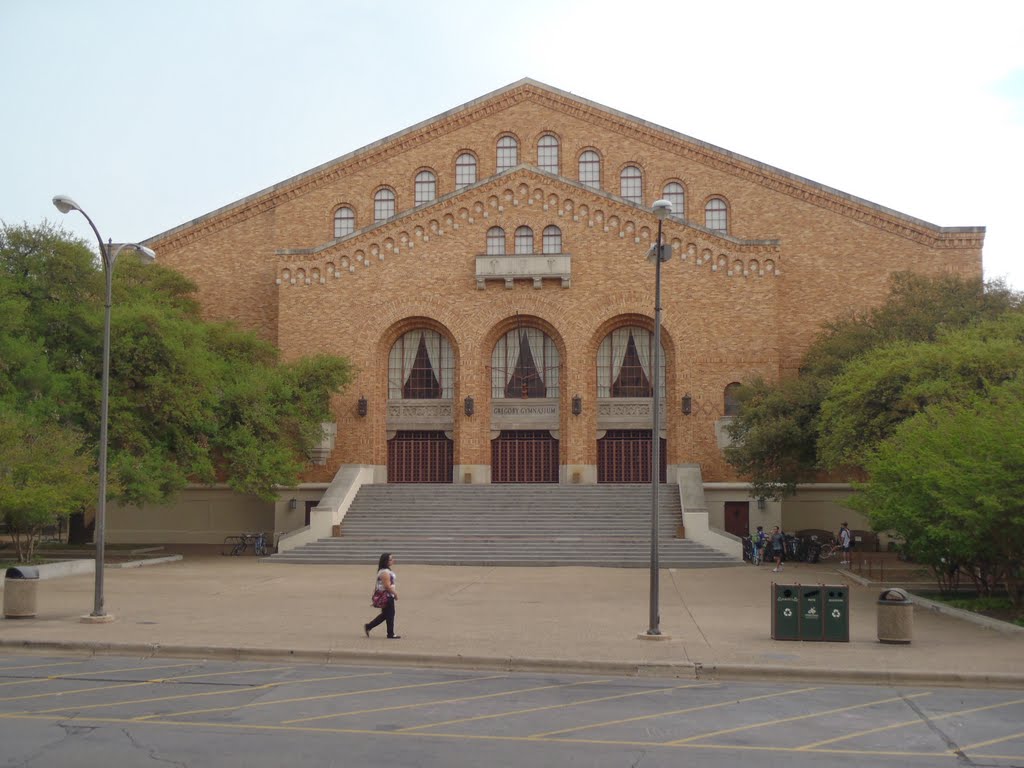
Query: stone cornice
x=525, y=188
x=610, y=119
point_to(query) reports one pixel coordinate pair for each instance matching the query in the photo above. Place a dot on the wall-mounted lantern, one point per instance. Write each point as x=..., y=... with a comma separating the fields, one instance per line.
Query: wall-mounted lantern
x=293, y=504
x=577, y=405
x=364, y=407
x=761, y=503
x=687, y=404
x=468, y=406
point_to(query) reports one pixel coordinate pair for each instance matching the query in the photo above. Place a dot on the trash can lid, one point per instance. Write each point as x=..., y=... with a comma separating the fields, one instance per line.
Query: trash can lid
x=894, y=595
x=22, y=572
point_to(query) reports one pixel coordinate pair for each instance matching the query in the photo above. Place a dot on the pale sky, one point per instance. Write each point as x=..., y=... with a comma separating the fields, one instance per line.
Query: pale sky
x=150, y=114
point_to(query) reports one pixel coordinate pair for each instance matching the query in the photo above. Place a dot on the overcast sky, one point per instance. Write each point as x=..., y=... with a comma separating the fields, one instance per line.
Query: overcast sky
x=150, y=114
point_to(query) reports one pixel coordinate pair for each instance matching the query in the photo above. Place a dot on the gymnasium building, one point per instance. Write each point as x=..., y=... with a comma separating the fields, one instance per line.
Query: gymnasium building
x=487, y=272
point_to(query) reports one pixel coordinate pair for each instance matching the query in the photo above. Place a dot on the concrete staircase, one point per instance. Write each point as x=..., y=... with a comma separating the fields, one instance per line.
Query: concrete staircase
x=538, y=525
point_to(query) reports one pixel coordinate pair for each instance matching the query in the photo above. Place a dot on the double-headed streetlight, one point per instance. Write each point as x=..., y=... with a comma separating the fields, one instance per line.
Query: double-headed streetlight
x=662, y=208
x=109, y=255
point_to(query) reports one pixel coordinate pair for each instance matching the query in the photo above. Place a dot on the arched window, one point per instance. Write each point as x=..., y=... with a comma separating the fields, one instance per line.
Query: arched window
x=383, y=205
x=732, y=404
x=508, y=153
x=547, y=153
x=426, y=187
x=716, y=215
x=675, y=194
x=344, y=221
x=495, y=241
x=631, y=184
x=552, y=239
x=524, y=364
x=421, y=367
x=624, y=364
x=524, y=240
x=590, y=169
x=465, y=170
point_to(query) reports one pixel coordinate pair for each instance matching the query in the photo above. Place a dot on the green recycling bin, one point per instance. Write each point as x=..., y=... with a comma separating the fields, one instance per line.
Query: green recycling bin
x=812, y=626
x=837, y=613
x=785, y=612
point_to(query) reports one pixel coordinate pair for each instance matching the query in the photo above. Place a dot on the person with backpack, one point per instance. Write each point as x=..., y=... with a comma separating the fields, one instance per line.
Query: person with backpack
x=759, y=541
x=846, y=542
x=778, y=543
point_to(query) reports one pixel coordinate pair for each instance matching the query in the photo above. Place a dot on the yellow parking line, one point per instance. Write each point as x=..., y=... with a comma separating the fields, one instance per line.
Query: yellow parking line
x=52, y=664
x=486, y=737
x=671, y=712
x=1000, y=740
x=152, y=681
x=779, y=721
x=245, y=689
x=907, y=723
x=98, y=672
x=434, y=702
x=554, y=706
x=321, y=696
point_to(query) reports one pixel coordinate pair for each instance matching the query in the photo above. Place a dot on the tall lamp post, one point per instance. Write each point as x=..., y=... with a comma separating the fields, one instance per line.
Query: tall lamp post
x=109, y=255
x=662, y=208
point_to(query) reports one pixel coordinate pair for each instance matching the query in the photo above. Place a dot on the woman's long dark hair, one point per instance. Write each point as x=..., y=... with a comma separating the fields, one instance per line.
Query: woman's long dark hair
x=383, y=562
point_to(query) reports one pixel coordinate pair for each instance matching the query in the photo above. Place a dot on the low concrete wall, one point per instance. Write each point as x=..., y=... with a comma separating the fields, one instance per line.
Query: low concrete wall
x=695, y=513
x=199, y=515
x=332, y=508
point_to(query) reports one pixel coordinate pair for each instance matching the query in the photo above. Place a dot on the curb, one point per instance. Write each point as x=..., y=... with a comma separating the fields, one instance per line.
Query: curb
x=685, y=670
x=947, y=610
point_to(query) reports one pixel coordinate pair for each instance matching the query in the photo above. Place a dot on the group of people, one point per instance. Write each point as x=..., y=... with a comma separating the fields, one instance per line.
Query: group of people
x=776, y=542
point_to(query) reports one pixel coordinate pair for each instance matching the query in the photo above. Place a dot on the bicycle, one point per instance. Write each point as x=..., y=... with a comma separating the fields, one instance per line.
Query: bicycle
x=236, y=545
x=828, y=549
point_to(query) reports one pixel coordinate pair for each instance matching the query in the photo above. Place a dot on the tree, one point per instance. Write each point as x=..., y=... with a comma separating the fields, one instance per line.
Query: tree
x=190, y=401
x=950, y=482
x=886, y=386
x=44, y=476
x=776, y=434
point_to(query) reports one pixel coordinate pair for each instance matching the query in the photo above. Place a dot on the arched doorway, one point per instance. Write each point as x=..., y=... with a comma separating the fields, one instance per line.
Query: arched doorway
x=525, y=375
x=421, y=373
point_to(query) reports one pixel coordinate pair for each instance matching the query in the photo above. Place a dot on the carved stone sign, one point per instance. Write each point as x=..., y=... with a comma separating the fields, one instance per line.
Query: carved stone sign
x=626, y=413
x=419, y=414
x=539, y=413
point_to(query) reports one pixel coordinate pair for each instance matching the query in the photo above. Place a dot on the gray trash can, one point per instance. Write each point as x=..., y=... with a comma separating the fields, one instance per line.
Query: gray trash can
x=895, y=617
x=21, y=585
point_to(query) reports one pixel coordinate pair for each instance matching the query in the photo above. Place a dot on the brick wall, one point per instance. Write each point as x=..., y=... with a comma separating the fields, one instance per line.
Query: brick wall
x=797, y=254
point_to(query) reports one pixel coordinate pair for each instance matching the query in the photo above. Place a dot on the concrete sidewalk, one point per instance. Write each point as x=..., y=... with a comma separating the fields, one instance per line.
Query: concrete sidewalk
x=567, y=619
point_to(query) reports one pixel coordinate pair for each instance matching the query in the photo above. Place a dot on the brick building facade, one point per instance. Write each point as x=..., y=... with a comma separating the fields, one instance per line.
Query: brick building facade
x=485, y=270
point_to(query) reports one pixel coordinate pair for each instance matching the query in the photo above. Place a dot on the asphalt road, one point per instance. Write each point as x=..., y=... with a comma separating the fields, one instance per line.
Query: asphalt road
x=105, y=711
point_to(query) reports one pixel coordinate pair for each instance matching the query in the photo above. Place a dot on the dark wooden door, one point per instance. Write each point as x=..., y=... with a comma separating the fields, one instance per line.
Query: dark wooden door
x=624, y=456
x=420, y=457
x=521, y=456
x=737, y=518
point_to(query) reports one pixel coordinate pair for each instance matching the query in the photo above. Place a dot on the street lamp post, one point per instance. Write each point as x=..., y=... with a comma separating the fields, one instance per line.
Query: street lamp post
x=109, y=254
x=662, y=208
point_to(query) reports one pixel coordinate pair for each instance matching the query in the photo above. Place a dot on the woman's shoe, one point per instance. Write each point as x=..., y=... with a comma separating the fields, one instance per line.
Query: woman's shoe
x=366, y=629
x=394, y=637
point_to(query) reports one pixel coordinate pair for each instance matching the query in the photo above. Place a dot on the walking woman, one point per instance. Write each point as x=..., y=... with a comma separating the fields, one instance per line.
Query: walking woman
x=384, y=596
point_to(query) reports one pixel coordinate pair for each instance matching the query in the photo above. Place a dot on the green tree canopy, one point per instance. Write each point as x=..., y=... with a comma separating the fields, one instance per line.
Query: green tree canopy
x=777, y=436
x=879, y=390
x=190, y=401
x=950, y=481
x=44, y=475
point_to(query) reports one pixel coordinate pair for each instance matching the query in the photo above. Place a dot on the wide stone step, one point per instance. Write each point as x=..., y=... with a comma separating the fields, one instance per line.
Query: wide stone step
x=514, y=525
